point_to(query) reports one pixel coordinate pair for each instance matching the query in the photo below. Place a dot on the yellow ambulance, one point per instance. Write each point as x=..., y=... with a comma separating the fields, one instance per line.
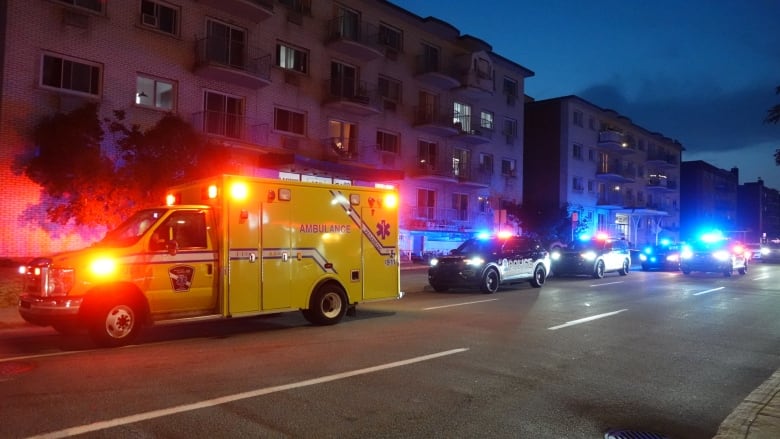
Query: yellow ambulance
x=229, y=246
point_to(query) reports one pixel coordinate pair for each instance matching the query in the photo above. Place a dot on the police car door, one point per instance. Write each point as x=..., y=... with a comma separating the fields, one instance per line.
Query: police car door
x=512, y=257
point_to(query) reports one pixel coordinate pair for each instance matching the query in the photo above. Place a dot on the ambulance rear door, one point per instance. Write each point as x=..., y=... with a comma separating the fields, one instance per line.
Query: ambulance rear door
x=379, y=245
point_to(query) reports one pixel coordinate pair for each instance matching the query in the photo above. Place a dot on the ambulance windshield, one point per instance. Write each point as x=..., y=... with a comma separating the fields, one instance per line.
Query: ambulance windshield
x=130, y=231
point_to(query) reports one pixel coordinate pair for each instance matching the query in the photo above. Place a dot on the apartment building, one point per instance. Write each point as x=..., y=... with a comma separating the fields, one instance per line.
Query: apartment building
x=611, y=174
x=758, y=211
x=709, y=199
x=356, y=92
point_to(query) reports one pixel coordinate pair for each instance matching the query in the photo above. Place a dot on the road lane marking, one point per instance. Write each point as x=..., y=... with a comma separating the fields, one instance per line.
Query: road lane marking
x=708, y=291
x=607, y=283
x=762, y=277
x=140, y=417
x=586, y=319
x=459, y=304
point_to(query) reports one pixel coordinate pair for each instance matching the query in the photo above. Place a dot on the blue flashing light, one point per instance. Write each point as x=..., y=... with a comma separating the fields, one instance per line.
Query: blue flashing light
x=483, y=235
x=648, y=250
x=714, y=236
x=584, y=237
x=665, y=242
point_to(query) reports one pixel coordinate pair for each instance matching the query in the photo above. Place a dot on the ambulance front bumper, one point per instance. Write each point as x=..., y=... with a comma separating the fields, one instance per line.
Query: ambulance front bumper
x=45, y=311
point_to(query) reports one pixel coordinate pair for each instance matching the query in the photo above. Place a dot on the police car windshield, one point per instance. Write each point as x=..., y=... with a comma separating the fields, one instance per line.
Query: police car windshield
x=130, y=231
x=587, y=244
x=709, y=245
x=477, y=246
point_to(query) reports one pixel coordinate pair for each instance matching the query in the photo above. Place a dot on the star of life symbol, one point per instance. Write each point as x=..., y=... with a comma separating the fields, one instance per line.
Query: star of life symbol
x=181, y=277
x=383, y=229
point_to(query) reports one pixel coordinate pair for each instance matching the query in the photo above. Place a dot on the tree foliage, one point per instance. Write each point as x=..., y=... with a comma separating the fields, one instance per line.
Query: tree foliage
x=94, y=184
x=773, y=116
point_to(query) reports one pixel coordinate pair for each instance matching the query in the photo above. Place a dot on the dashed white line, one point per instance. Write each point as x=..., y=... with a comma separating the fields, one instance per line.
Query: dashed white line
x=606, y=283
x=458, y=304
x=96, y=426
x=587, y=319
x=708, y=291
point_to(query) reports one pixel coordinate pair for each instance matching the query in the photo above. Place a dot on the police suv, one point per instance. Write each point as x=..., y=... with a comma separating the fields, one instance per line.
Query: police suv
x=487, y=262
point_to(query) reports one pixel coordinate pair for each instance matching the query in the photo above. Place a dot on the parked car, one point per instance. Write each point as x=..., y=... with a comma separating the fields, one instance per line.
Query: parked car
x=664, y=256
x=488, y=262
x=771, y=252
x=594, y=256
x=715, y=256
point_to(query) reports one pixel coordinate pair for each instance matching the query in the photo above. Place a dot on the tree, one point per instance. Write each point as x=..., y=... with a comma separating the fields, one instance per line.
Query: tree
x=773, y=116
x=95, y=186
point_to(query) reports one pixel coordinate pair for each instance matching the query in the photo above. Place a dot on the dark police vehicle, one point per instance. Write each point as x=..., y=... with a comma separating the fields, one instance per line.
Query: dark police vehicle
x=487, y=262
x=714, y=254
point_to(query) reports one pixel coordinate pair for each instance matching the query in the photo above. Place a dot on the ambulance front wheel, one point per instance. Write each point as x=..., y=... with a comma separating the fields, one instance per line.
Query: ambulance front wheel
x=327, y=306
x=115, y=324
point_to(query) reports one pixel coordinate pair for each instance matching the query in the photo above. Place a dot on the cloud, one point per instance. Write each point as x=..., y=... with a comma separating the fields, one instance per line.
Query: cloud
x=703, y=118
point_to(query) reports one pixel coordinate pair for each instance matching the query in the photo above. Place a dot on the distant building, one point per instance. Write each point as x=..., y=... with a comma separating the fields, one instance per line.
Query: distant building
x=613, y=175
x=351, y=92
x=758, y=211
x=708, y=197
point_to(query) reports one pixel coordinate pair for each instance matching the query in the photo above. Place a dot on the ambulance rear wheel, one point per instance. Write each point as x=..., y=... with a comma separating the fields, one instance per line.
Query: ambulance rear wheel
x=115, y=324
x=327, y=306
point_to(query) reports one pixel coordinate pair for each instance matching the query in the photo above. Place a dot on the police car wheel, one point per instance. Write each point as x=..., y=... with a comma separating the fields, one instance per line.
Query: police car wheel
x=598, y=273
x=327, y=306
x=490, y=281
x=540, y=276
x=625, y=269
x=116, y=324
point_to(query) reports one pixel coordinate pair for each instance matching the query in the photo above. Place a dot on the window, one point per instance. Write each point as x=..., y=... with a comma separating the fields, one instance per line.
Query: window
x=188, y=229
x=511, y=91
x=461, y=116
x=155, y=93
x=226, y=44
x=461, y=158
x=486, y=163
x=576, y=184
x=343, y=80
x=292, y=58
x=591, y=155
x=390, y=90
x=426, y=154
x=390, y=37
x=510, y=130
x=387, y=141
x=92, y=5
x=343, y=137
x=486, y=120
x=348, y=23
x=483, y=68
x=430, y=58
x=224, y=115
x=426, y=203
x=460, y=204
x=160, y=16
x=577, y=118
x=508, y=168
x=69, y=74
x=591, y=186
x=592, y=123
x=576, y=151
x=289, y=121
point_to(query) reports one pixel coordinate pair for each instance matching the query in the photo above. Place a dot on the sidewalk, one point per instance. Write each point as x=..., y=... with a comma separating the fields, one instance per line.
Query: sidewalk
x=757, y=417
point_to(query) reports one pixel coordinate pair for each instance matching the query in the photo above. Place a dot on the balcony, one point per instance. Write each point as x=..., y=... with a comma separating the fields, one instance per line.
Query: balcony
x=470, y=130
x=340, y=149
x=661, y=184
x=614, y=141
x=611, y=199
x=474, y=176
x=662, y=161
x=254, y=10
x=353, y=97
x=354, y=38
x=477, y=83
x=227, y=61
x=432, y=71
x=615, y=172
x=434, y=169
x=435, y=121
x=230, y=127
x=432, y=218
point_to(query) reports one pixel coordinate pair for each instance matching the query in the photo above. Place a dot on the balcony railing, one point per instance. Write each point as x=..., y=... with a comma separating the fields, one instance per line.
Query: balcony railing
x=435, y=72
x=354, y=37
x=615, y=141
x=255, y=10
x=356, y=97
x=435, y=120
x=223, y=60
x=231, y=126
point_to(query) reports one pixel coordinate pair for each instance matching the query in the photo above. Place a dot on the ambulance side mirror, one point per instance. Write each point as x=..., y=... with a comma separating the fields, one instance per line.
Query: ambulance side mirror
x=172, y=247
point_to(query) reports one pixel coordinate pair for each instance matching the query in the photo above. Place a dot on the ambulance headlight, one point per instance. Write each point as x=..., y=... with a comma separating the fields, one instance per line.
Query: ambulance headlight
x=103, y=267
x=589, y=255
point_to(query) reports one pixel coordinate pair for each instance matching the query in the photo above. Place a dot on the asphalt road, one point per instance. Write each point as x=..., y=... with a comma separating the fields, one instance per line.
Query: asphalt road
x=648, y=352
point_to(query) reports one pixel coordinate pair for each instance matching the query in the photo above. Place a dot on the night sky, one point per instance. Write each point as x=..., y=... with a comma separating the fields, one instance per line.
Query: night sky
x=703, y=72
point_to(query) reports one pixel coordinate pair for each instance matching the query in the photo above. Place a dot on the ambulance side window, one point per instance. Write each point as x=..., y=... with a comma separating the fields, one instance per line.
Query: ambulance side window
x=188, y=229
